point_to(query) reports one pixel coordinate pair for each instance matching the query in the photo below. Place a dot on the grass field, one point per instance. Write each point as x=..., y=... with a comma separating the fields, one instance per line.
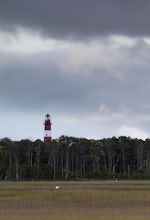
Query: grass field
x=94, y=200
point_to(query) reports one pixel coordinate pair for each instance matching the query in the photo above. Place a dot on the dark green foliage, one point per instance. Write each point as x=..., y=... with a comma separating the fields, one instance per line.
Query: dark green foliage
x=70, y=158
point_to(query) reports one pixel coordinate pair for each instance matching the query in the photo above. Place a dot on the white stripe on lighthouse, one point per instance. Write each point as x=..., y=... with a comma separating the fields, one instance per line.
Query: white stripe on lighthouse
x=47, y=133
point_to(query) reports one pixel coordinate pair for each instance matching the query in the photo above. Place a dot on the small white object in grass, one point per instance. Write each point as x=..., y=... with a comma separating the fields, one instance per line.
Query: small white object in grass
x=57, y=187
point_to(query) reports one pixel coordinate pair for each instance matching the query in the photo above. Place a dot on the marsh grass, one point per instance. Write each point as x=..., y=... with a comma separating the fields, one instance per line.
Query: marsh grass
x=121, y=201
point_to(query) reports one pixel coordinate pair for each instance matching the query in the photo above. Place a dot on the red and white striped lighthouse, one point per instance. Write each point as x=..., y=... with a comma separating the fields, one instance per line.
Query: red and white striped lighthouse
x=47, y=128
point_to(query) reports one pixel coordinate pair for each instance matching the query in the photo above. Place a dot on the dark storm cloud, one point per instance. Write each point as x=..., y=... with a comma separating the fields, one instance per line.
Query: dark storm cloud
x=33, y=83
x=38, y=80
x=78, y=18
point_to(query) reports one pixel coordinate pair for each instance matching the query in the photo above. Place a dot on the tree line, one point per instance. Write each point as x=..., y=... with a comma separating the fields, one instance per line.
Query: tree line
x=71, y=158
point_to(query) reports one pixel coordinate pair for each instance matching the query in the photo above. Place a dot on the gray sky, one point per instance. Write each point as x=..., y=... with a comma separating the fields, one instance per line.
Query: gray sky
x=85, y=62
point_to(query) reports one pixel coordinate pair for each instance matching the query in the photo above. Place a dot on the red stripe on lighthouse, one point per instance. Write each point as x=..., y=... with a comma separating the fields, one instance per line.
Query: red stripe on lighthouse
x=47, y=127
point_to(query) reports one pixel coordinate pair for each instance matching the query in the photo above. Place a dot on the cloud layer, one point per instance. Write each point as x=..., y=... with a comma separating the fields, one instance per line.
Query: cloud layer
x=78, y=19
x=84, y=62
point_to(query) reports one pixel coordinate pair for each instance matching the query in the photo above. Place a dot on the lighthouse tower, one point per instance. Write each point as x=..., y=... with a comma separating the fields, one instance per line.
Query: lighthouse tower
x=47, y=128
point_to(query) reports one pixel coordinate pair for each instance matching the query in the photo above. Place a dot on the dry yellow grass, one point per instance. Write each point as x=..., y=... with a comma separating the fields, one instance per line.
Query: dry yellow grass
x=73, y=202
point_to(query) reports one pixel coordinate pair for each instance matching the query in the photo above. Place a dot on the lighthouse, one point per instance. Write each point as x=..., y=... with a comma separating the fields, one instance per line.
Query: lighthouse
x=47, y=128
